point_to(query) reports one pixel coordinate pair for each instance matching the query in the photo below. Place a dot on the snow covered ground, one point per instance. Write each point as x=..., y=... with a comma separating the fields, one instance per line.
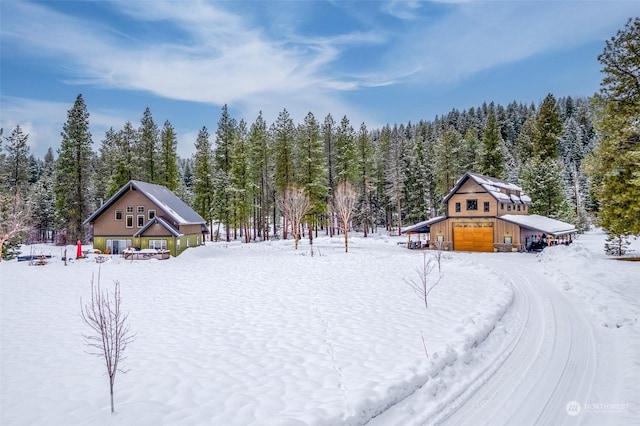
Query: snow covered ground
x=240, y=334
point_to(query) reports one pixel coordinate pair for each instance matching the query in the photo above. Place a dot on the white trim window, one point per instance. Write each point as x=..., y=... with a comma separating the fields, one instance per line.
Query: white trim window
x=129, y=220
x=151, y=213
x=177, y=244
x=118, y=215
x=140, y=209
x=158, y=244
x=140, y=220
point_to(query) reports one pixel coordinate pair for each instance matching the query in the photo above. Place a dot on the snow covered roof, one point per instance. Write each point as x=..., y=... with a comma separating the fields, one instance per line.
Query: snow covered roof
x=500, y=190
x=540, y=223
x=423, y=226
x=161, y=196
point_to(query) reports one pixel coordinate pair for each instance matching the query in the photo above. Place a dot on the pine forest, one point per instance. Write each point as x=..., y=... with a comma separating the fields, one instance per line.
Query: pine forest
x=243, y=174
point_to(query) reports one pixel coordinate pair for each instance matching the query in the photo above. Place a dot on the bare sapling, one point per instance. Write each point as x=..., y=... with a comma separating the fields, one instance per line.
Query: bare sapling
x=426, y=282
x=440, y=246
x=344, y=203
x=110, y=334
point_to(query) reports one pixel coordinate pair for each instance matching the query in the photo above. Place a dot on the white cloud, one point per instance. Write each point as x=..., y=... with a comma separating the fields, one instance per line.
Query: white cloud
x=473, y=37
x=43, y=122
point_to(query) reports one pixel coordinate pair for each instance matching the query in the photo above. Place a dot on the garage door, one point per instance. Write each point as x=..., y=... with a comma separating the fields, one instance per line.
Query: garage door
x=473, y=236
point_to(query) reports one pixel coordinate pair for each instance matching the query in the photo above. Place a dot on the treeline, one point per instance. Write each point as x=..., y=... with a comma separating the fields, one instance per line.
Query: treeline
x=237, y=175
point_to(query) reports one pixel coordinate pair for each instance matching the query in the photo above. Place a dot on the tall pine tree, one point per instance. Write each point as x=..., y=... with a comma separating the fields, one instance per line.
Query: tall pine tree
x=73, y=181
x=168, y=173
x=615, y=165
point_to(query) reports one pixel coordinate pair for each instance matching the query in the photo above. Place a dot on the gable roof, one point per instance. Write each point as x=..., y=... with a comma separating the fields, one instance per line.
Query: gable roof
x=162, y=222
x=172, y=206
x=493, y=186
x=540, y=223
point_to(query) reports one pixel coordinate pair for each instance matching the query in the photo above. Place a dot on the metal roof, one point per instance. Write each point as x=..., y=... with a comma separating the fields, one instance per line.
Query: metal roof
x=172, y=206
x=422, y=227
x=540, y=223
x=494, y=187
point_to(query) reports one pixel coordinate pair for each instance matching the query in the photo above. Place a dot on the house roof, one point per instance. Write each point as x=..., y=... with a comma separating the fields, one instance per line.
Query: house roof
x=162, y=222
x=541, y=224
x=423, y=226
x=494, y=187
x=172, y=206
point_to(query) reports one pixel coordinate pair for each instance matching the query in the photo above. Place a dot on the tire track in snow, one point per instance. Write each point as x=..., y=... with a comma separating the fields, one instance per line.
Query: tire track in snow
x=549, y=367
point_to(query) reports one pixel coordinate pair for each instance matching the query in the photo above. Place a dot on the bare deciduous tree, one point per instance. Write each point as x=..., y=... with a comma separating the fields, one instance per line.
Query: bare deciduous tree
x=14, y=218
x=110, y=329
x=425, y=284
x=344, y=201
x=294, y=205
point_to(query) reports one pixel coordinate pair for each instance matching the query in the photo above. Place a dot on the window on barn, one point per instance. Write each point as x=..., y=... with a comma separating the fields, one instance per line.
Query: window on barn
x=457, y=207
x=508, y=207
x=472, y=204
x=118, y=214
x=152, y=214
x=140, y=220
x=486, y=206
x=140, y=209
x=129, y=223
x=501, y=206
x=129, y=209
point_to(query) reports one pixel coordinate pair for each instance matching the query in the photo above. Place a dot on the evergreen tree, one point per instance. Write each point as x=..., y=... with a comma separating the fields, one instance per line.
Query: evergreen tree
x=471, y=152
x=149, y=141
x=395, y=174
x=615, y=165
x=365, y=179
x=448, y=169
x=284, y=140
x=105, y=165
x=346, y=163
x=168, y=173
x=261, y=175
x=73, y=177
x=126, y=155
x=203, y=184
x=310, y=165
x=222, y=167
x=329, y=139
x=42, y=201
x=549, y=129
x=523, y=149
x=17, y=162
x=492, y=148
x=543, y=181
x=241, y=188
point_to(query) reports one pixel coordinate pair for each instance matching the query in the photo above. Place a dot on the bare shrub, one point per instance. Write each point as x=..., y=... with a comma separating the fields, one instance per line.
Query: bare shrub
x=110, y=334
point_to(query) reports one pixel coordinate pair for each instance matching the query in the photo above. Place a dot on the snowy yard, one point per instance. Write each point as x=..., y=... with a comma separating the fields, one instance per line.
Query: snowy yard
x=240, y=334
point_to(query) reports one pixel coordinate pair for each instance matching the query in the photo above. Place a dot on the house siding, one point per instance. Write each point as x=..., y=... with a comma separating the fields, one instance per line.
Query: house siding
x=106, y=223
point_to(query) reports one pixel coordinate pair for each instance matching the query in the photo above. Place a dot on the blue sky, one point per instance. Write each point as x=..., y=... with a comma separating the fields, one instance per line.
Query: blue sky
x=376, y=62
